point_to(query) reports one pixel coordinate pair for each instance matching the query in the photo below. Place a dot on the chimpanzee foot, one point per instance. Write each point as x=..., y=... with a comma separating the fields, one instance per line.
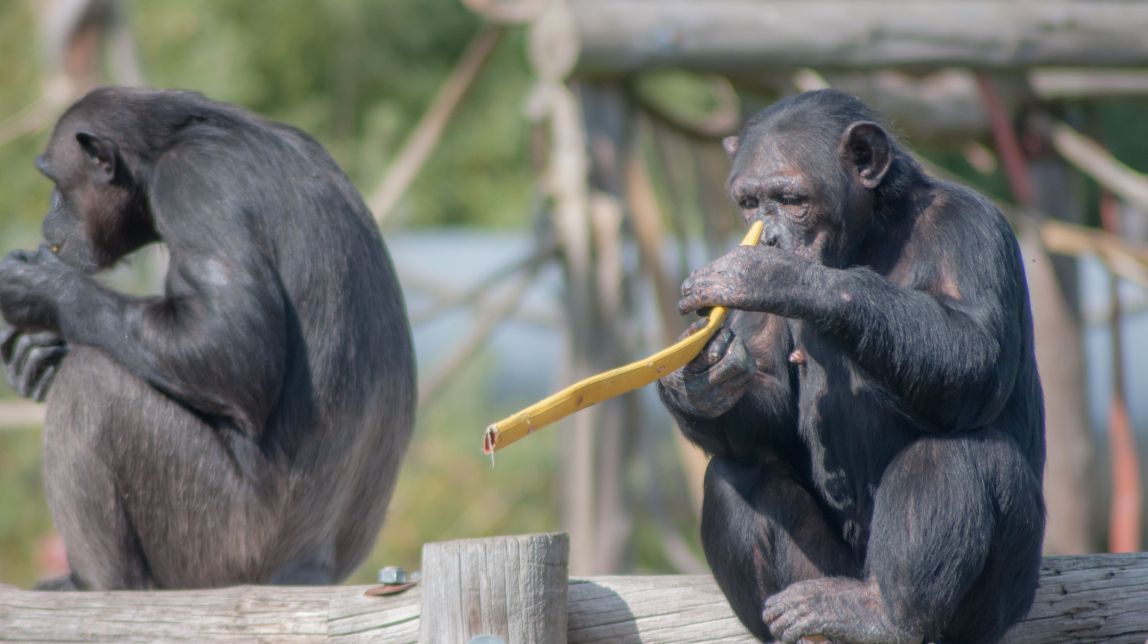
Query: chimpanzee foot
x=835, y=608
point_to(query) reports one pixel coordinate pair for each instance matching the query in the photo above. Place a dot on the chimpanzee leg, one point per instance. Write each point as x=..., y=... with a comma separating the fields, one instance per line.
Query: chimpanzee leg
x=143, y=491
x=954, y=551
x=762, y=531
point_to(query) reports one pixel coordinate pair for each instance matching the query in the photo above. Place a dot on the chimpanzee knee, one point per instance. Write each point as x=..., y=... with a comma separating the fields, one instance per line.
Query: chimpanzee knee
x=956, y=536
x=79, y=477
x=762, y=531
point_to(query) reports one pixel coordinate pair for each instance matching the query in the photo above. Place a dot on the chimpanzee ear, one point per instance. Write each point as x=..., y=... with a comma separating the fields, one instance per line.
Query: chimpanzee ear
x=866, y=149
x=730, y=144
x=101, y=155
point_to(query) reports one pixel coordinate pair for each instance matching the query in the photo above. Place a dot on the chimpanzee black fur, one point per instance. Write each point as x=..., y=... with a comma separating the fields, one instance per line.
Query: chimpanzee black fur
x=247, y=425
x=873, y=408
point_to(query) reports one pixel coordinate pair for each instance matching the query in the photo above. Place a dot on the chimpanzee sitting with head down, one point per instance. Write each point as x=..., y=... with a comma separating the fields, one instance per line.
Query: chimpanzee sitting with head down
x=246, y=426
x=872, y=408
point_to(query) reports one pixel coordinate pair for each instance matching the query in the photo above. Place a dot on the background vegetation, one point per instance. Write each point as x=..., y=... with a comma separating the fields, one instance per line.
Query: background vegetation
x=357, y=75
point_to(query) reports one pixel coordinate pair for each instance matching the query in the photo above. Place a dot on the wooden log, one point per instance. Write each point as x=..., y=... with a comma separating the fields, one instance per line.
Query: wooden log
x=731, y=36
x=20, y=414
x=513, y=588
x=1093, y=598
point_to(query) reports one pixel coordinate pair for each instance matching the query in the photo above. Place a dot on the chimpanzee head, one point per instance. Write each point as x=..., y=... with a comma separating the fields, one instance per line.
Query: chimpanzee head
x=820, y=171
x=99, y=212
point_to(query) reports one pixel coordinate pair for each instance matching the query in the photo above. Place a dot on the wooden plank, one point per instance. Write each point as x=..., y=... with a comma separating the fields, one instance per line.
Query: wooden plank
x=1094, y=598
x=241, y=613
x=1091, y=598
x=21, y=414
x=667, y=609
x=619, y=36
x=355, y=617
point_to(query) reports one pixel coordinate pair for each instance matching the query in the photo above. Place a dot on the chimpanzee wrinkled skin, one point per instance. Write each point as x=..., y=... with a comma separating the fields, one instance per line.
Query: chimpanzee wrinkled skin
x=873, y=408
x=247, y=424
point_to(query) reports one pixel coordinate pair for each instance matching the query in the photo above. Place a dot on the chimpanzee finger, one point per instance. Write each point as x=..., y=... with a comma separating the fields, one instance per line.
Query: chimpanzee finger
x=42, y=367
x=735, y=368
x=36, y=368
x=695, y=326
x=44, y=383
x=22, y=347
x=695, y=289
x=21, y=255
x=8, y=336
x=716, y=284
x=711, y=353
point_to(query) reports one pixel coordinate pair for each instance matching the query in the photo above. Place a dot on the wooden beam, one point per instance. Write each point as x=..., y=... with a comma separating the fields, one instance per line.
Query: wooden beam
x=750, y=36
x=21, y=414
x=1091, y=598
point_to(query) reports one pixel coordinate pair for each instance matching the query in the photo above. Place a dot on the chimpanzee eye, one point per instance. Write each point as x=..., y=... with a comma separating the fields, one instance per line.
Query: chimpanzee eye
x=791, y=200
x=748, y=203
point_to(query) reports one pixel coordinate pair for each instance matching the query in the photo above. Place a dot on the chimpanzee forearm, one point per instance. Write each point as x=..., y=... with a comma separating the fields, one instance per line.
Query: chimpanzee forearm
x=172, y=342
x=923, y=348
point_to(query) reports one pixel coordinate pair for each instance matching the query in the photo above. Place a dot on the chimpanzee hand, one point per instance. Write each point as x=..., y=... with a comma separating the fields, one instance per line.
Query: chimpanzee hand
x=31, y=284
x=714, y=381
x=748, y=278
x=30, y=360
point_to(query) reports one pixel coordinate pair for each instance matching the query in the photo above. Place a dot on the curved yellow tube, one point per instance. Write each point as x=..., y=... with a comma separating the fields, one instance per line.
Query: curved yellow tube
x=608, y=384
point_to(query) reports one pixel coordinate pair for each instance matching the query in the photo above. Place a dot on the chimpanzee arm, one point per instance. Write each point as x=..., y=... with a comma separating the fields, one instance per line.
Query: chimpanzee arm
x=215, y=340
x=950, y=353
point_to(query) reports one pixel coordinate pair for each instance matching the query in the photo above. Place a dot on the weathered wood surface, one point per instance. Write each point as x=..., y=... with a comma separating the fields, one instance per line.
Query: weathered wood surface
x=242, y=613
x=1097, y=598
x=511, y=587
x=751, y=35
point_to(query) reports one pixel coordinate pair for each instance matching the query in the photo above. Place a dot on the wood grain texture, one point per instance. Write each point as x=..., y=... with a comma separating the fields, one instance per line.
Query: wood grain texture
x=750, y=35
x=510, y=587
x=1095, y=598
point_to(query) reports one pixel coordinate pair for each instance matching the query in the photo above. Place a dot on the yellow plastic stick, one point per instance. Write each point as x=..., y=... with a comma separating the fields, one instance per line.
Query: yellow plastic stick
x=608, y=384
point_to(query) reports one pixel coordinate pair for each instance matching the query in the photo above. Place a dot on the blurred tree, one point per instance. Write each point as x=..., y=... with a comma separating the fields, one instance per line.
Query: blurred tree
x=357, y=75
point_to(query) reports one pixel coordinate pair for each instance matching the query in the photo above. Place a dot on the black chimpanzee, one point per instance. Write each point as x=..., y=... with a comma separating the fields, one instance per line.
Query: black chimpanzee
x=873, y=407
x=247, y=425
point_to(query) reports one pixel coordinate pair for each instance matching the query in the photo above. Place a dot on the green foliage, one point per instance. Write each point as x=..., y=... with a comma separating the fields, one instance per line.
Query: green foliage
x=684, y=95
x=24, y=190
x=23, y=514
x=448, y=490
x=358, y=75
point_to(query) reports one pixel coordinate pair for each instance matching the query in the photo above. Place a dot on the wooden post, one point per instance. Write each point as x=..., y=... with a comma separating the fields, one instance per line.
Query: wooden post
x=513, y=588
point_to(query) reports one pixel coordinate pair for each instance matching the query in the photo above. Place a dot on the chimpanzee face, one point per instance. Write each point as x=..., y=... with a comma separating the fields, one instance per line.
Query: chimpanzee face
x=813, y=190
x=96, y=216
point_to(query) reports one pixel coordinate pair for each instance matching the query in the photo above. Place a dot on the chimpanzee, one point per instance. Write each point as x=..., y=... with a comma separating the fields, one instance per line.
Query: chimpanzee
x=872, y=408
x=246, y=425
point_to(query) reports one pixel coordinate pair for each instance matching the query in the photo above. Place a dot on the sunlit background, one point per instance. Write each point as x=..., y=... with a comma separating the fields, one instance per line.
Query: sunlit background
x=484, y=257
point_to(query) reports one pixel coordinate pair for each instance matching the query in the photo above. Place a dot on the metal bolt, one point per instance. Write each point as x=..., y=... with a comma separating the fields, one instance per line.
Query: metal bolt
x=392, y=575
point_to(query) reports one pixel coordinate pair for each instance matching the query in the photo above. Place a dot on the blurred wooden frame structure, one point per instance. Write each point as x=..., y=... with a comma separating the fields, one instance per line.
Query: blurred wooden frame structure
x=985, y=77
